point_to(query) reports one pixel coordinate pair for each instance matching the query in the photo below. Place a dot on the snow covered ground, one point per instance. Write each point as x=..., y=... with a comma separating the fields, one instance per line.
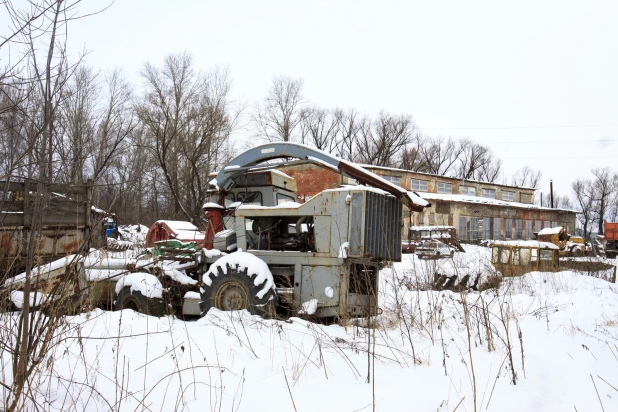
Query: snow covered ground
x=428, y=351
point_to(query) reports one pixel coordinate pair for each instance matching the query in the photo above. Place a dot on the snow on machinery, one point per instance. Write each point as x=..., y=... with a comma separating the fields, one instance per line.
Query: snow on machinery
x=324, y=255
x=569, y=246
x=173, y=229
x=518, y=257
x=321, y=258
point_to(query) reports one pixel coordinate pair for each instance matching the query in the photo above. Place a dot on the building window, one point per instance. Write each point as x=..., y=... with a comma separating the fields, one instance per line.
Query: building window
x=508, y=196
x=445, y=188
x=284, y=198
x=467, y=190
x=554, y=224
x=393, y=179
x=250, y=198
x=497, y=228
x=518, y=229
x=420, y=185
x=508, y=231
x=486, y=228
x=432, y=218
x=475, y=225
x=489, y=193
x=442, y=219
x=537, y=226
x=546, y=224
x=421, y=219
x=463, y=228
x=525, y=198
x=528, y=229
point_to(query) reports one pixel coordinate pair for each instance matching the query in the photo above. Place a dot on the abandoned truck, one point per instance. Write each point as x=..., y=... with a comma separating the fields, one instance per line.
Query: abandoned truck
x=69, y=222
x=320, y=258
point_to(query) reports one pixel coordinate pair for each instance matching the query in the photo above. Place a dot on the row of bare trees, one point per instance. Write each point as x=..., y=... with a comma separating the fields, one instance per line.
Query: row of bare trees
x=387, y=140
x=148, y=154
x=596, y=199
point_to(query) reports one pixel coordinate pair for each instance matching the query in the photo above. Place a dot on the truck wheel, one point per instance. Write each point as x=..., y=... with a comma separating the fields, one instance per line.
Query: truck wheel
x=128, y=299
x=235, y=290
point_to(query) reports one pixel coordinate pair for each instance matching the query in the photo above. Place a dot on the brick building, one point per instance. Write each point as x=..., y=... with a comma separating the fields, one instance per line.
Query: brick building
x=477, y=210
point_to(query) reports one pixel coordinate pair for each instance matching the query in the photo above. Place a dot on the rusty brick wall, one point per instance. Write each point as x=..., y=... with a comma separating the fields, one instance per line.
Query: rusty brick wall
x=311, y=179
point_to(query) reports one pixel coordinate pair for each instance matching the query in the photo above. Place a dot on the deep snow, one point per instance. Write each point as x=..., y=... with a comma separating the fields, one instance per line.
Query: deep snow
x=236, y=361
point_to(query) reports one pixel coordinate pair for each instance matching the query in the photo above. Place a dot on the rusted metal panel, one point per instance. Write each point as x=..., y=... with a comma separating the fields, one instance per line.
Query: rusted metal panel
x=165, y=230
x=65, y=229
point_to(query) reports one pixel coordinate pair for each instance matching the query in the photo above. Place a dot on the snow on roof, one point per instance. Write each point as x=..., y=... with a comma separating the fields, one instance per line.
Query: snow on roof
x=189, y=234
x=414, y=197
x=551, y=230
x=177, y=225
x=393, y=169
x=417, y=199
x=485, y=200
x=528, y=243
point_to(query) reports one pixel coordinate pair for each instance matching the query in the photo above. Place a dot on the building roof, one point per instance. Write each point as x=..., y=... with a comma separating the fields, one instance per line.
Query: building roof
x=487, y=201
x=393, y=169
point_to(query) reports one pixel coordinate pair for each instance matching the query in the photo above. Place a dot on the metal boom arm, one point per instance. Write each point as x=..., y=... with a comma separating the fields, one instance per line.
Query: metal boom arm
x=298, y=151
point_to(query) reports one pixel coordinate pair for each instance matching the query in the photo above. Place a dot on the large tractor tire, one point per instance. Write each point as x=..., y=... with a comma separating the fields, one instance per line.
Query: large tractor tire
x=235, y=290
x=128, y=299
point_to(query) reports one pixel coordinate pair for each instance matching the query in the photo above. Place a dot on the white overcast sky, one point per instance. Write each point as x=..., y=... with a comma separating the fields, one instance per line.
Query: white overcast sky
x=536, y=81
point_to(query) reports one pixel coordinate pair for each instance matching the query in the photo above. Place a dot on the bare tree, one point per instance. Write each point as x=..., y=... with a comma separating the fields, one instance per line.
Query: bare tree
x=560, y=201
x=439, y=155
x=277, y=118
x=34, y=87
x=164, y=110
x=489, y=170
x=350, y=126
x=382, y=141
x=78, y=117
x=477, y=162
x=321, y=128
x=188, y=120
x=527, y=177
x=584, y=200
x=604, y=186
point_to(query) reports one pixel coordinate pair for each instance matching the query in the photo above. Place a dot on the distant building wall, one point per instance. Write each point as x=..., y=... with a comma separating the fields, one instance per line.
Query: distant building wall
x=509, y=214
x=312, y=179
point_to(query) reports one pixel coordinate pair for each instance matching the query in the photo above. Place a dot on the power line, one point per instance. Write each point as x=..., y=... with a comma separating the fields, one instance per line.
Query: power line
x=521, y=127
x=548, y=141
x=560, y=157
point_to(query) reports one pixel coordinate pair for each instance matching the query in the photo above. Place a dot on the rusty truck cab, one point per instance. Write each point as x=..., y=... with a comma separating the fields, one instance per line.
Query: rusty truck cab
x=516, y=258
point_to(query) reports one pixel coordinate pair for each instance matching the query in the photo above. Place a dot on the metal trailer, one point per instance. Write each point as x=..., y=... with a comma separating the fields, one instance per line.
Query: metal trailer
x=69, y=223
x=610, y=239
